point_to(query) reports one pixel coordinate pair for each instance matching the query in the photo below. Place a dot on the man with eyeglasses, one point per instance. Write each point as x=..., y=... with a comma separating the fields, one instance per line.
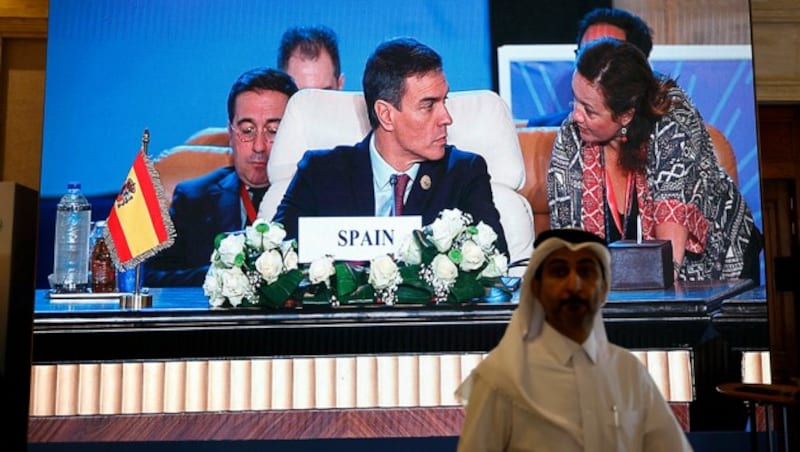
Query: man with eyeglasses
x=226, y=199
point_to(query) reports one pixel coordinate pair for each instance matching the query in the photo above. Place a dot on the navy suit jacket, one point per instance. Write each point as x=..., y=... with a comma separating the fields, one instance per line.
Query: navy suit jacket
x=338, y=182
x=201, y=208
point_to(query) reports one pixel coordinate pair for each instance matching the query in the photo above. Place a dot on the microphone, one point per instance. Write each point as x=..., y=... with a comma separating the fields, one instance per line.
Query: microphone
x=393, y=183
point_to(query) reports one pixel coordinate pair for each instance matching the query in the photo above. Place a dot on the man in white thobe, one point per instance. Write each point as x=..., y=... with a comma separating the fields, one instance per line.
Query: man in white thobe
x=554, y=382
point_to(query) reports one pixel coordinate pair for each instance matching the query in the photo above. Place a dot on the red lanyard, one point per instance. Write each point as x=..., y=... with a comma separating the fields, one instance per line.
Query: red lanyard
x=612, y=201
x=248, y=203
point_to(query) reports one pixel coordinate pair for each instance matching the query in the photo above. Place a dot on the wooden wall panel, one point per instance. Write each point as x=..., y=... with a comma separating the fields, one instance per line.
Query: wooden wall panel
x=780, y=138
x=776, y=49
x=22, y=85
x=693, y=21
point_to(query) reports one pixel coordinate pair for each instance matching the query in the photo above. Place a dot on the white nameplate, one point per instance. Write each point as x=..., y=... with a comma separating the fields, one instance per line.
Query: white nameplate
x=352, y=238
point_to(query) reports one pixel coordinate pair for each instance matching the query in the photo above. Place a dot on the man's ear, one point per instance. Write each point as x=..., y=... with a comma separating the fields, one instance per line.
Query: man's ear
x=385, y=112
x=340, y=82
x=231, y=134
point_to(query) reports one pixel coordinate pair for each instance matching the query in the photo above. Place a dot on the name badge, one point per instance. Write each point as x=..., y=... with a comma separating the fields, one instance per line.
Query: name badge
x=352, y=238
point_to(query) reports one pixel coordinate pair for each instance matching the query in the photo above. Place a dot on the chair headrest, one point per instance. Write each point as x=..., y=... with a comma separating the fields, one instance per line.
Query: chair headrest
x=322, y=119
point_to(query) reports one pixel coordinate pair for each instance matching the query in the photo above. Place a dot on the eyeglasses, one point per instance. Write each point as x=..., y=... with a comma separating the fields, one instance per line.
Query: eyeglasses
x=247, y=133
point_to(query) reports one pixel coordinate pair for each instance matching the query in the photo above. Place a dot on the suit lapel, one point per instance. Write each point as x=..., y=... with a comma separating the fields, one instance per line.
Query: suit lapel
x=361, y=185
x=419, y=198
x=229, y=205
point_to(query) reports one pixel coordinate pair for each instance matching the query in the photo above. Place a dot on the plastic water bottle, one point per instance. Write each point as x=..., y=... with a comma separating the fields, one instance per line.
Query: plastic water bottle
x=71, y=257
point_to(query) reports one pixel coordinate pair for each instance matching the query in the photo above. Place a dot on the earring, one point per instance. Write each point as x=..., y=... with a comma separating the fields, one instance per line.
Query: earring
x=623, y=134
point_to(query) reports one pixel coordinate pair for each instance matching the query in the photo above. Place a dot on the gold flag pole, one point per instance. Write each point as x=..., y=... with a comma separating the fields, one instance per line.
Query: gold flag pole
x=138, y=299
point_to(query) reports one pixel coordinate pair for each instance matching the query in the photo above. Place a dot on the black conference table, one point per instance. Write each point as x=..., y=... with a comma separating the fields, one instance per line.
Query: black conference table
x=180, y=323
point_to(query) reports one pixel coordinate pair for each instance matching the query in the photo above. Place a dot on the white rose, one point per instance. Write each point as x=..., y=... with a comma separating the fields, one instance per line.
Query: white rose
x=497, y=266
x=253, y=237
x=444, y=269
x=444, y=230
x=230, y=247
x=409, y=251
x=321, y=270
x=270, y=265
x=383, y=272
x=472, y=256
x=274, y=236
x=289, y=259
x=453, y=216
x=235, y=286
x=212, y=288
x=268, y=240
x=485, y=237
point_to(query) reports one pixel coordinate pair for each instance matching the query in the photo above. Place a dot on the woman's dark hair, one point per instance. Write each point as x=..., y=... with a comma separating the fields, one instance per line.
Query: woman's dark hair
x=622, y=73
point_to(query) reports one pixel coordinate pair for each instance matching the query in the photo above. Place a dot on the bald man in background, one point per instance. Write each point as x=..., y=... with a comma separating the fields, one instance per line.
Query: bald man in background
x=310, y=55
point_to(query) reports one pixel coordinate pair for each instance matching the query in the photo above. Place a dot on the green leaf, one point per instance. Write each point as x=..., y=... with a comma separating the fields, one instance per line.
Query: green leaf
x=275, y=294
x=218, y=239
x=428, y=254
x=407, y=294
x=467, y=287
x=238, y=260
x=472, y=230
x=410, y=275
x=363, y=294
x=317, y=294
x=346, y=279
x=262, y=227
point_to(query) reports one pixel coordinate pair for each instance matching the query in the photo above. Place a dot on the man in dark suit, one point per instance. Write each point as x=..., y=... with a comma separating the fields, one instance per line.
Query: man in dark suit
x=226, y=199
x=405, y=90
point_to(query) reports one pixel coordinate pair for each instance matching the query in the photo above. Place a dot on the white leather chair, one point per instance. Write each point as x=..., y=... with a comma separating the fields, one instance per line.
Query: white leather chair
x=482, y=123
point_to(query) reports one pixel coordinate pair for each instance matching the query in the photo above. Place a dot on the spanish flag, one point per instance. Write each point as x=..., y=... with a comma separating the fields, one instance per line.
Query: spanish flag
x=139, y=225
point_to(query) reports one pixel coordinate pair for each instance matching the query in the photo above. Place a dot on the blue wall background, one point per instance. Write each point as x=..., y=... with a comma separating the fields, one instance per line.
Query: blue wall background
x=117, y=67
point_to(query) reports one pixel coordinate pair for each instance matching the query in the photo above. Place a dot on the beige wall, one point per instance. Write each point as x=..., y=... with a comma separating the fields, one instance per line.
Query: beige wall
x=775, y=37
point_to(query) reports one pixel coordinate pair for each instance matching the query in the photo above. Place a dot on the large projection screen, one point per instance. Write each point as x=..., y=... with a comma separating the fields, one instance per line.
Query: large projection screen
x=116, y=68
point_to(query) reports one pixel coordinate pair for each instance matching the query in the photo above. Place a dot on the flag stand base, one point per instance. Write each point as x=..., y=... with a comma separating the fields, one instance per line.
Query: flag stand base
x=136, y=300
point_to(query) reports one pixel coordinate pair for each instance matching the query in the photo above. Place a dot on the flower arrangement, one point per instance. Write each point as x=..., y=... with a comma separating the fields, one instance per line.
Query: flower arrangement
x=253, y=267
x=451, y=260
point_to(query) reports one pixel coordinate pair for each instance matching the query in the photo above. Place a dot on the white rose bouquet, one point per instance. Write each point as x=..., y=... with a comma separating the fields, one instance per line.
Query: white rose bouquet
x=254, y=267
x=451, y=260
